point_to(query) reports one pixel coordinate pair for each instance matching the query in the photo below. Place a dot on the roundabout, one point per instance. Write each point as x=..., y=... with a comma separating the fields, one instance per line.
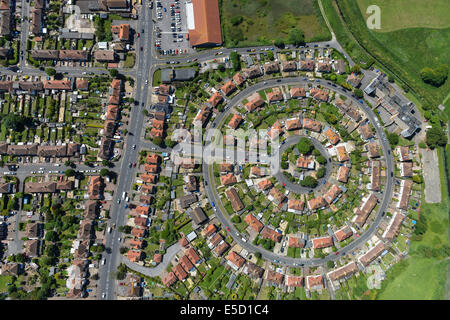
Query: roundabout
x=222, y=215
x=296, y=187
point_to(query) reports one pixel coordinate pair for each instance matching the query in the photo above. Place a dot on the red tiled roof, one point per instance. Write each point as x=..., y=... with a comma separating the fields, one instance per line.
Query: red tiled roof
x=323, y=242
x=207, y=23
x=236, y=259
x=254, y=223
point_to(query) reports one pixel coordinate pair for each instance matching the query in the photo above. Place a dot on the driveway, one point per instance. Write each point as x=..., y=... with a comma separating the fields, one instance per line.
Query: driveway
x=156, y=271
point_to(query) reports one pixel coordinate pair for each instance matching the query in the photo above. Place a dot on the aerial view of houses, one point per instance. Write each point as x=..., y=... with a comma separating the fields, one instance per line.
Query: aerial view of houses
x=182, y=150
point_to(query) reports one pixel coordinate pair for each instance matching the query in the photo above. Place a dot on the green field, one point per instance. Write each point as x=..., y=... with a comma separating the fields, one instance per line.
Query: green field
x=403, y=52
x=260, y=22
x=402, y=14
x=424, y=278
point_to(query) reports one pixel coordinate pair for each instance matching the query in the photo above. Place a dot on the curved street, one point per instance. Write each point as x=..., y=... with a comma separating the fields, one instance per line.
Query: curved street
x=221, y=212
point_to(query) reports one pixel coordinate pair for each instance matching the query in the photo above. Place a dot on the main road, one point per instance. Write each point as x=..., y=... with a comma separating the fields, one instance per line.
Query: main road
x=106, y=289
x=268, y=255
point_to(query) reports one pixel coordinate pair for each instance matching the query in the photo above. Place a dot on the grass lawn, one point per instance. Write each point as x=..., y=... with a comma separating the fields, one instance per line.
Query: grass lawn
x=4, y=279
x=398, y=50
x=129, y=61
x=418, y=281
x=261, y=22
x=402, y=14
x=156, y=78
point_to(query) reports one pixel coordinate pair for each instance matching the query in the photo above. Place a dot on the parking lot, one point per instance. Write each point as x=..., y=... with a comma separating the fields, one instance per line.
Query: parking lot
x=171, y=28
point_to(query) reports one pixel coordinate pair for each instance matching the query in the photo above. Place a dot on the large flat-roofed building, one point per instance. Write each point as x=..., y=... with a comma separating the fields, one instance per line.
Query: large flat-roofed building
x=204, y=23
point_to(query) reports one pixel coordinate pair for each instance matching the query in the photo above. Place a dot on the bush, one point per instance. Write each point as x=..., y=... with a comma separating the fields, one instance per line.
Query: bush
x=236, y=20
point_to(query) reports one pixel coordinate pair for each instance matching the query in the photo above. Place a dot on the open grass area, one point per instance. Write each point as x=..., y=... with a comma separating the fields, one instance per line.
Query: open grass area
x=157, y=78
x=401, y=14
x=422, y=277
x=260, y=22
x=397, y=52
x=4, y=279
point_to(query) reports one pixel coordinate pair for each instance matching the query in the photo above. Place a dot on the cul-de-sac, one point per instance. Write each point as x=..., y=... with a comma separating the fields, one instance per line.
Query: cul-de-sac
x=224, y=150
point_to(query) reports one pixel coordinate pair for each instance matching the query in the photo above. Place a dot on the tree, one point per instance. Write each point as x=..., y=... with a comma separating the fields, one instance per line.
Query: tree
x=125, y=229
x=305, y=146
x=158, y=141
x=221, y=68
x=435, y=137
x=114, y=73
x=321, y=172
x=21, y=258
x=270, y=55
x=356, y=69
x=50, y=72
x=170, y=143
x=235, y=60
x=358, y=93
x=417, y=179
x=104, y=172
x=236, y=219
x=309, y=182
x=321, y=159
x=436, y=77
x=330, y=264
x=51, y=236
x=15, y=122
x=296, y=37
x=393, y=139
x=68, y=163
x=121, y=271
x=279, y=43
x=70, y=172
